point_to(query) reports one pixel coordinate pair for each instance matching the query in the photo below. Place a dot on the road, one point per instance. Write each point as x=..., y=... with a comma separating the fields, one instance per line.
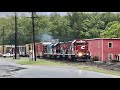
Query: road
x=7, y=68
x=10, y=69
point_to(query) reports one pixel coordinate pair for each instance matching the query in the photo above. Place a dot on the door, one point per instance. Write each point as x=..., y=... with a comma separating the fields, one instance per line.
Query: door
x=118, y=57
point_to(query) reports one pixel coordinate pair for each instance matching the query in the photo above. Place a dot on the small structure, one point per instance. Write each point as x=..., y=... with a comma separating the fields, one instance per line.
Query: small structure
x=32, y=54
x=105, y=48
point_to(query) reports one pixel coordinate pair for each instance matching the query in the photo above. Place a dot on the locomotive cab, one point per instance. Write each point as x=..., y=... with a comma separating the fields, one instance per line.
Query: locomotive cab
x=81, y=50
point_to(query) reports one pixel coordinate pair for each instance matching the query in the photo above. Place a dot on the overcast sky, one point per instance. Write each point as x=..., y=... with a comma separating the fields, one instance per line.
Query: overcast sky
x=3, y=14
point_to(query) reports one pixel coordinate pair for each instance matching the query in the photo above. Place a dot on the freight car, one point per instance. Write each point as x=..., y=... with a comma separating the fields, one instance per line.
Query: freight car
x=21, y=50
x=7, y=49
x=39, y=48
x=10, y=49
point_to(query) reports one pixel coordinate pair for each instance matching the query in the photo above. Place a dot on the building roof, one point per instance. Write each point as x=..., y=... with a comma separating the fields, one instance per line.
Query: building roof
x=103, y=39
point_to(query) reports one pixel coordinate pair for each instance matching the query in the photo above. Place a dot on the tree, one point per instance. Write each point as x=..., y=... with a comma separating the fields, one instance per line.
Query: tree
x=60, y=27
x=112, y=30
x=43, y=26
x=24, y=30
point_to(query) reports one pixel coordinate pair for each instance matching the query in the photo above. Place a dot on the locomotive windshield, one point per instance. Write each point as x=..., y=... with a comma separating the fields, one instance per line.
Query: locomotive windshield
x=80, y=43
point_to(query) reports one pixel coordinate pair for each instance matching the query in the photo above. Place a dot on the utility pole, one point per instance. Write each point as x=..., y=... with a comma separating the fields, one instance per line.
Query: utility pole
x=33, y=33
x=15, y=35
x=33, y=28
x=3, y=39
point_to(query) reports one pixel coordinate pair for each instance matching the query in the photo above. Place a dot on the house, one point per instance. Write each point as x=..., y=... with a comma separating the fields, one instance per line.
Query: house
x=105, y=48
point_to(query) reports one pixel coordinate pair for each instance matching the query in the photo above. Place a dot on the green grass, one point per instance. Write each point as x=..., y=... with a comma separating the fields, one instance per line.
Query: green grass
x=27, y=61
x=40, y=62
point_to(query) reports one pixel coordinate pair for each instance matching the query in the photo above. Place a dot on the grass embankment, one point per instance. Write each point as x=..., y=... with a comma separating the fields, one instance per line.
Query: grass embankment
x=26, y=61
x=81, y=66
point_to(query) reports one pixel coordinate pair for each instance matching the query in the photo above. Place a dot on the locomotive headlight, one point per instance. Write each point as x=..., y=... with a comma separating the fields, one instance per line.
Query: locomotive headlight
x=87, y=53
x=79, y=54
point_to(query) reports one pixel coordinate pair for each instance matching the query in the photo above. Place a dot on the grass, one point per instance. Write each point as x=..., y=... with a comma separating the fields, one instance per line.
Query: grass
x=27, y=61
x=40, y=62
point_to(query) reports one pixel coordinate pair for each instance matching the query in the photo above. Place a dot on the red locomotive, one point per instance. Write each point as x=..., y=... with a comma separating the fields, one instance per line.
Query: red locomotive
x=73, y=50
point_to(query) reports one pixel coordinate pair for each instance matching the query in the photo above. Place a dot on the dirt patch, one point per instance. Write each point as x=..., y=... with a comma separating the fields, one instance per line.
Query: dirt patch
x=107, y=66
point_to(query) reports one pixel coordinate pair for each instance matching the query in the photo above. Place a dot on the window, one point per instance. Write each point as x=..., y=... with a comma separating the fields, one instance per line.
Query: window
x=110, y=45
x=81, y=44
x=110, y=56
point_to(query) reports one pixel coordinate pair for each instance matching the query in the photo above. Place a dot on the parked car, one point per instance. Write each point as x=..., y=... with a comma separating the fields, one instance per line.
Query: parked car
x=8, y=55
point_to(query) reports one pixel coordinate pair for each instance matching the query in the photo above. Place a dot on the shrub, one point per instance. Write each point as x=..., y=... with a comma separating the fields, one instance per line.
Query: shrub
x=113, y=60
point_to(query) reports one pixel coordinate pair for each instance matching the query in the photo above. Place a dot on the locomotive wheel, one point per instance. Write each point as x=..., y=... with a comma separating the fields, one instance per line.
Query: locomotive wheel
x=66, y=57
x=55, y=57
x=50, y=57
x=60, y=57
x=73, y=58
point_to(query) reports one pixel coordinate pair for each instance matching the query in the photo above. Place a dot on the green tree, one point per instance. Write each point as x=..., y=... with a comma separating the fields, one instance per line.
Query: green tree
x=112, y=30
x=60, y=27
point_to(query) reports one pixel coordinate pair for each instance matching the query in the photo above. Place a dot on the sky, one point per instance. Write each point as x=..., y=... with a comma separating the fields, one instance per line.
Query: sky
x=4, y=14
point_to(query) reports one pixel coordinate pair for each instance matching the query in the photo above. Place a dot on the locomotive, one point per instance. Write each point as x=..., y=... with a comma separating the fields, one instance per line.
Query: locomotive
x=72, y=50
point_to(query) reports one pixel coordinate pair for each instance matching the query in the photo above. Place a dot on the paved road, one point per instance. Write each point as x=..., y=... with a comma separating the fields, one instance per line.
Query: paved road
x=8, y=67
x=12, y=70
x=58, y=72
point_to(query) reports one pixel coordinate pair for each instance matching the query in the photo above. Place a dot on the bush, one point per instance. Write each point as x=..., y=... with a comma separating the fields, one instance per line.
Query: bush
x=113, y=61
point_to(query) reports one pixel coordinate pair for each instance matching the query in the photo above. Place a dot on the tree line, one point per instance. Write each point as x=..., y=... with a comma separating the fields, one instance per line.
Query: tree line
x=73, y=25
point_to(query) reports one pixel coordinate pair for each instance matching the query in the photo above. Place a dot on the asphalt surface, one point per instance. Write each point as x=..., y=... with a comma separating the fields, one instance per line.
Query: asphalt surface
x=10, y=69
x=7, y=68
x=58, y=72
